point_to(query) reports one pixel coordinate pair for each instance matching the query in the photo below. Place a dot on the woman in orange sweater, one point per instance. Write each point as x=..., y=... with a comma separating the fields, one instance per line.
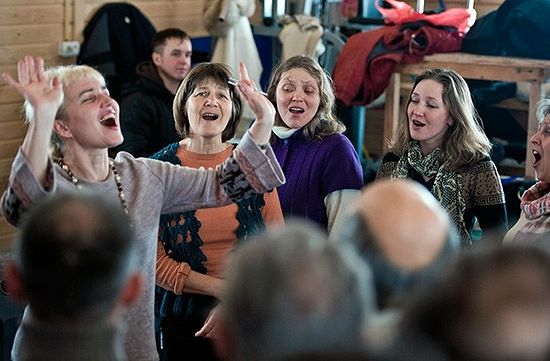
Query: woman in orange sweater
x=194, y=245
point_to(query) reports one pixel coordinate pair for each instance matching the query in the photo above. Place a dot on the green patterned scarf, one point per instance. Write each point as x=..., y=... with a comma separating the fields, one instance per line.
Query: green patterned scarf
x=447, y=188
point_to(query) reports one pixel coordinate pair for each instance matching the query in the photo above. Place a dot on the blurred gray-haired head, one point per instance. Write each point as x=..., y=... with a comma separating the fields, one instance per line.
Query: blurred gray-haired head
x=291, y=290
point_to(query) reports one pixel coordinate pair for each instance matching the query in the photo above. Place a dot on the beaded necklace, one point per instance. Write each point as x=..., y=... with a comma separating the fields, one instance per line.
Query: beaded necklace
x=118, y=181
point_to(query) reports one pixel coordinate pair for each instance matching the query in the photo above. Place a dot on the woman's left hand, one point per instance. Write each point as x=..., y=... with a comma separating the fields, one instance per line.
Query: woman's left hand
x=209, y=328
x=261, y=106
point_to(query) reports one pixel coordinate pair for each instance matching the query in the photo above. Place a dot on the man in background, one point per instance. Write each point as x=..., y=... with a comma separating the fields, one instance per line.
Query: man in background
x=75, y=265
x=407, y=238
x=146, y=117
x=404, y=234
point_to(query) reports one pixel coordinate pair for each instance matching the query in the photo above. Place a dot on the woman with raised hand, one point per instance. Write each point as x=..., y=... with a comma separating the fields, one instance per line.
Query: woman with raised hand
x=71, y=106
x=194, y=245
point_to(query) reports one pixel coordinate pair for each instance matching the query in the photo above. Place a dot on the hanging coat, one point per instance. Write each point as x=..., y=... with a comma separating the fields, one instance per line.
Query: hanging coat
x=227, y=21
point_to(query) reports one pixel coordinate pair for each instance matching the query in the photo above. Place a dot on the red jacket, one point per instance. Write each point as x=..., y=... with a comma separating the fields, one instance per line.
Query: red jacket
x=363, y=69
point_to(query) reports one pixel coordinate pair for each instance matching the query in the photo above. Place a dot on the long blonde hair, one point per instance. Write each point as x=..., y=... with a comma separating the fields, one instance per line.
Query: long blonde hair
x=465, y=141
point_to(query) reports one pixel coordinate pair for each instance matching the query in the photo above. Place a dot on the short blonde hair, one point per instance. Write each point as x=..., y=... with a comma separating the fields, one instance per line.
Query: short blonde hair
x=67, y=74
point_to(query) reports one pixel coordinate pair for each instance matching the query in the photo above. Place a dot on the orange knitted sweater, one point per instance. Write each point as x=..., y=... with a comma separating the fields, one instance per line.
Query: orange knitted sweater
x=217, y=229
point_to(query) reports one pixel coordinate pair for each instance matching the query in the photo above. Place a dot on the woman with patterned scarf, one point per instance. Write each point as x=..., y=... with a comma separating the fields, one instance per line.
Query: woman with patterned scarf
x=534, y=220
x=194, y=245
x=441, y=144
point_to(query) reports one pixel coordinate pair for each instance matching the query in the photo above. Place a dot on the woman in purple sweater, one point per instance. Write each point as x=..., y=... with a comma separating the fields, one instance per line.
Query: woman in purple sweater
x=320, y=164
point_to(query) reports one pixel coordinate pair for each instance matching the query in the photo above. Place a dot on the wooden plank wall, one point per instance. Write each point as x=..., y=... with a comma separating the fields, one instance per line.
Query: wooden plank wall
x=184, y=14
x=26, y=27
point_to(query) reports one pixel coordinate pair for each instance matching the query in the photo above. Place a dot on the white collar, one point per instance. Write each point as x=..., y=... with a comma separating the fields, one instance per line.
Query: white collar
x=283, y=132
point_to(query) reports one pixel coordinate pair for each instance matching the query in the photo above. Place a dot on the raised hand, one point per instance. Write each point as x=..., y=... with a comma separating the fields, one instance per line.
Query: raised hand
x=261, y=106
x=44, y=96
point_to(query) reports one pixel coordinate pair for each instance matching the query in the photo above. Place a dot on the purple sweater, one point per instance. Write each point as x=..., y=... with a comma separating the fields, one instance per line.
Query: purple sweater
x=313, y=170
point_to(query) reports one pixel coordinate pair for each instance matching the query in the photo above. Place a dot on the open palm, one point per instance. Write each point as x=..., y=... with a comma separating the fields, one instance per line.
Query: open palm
x=33, y=85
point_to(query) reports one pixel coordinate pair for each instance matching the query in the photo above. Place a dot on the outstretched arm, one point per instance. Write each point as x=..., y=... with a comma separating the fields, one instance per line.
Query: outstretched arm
x=45, y=99
x=260, y=105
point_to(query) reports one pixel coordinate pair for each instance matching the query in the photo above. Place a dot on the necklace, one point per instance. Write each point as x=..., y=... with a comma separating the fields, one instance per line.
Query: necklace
x=118, y=180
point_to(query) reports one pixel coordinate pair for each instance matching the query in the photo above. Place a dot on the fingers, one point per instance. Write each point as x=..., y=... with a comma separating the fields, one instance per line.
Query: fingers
x=206, y=330
x=40, y=69
x=11, y=82
x=202, y=331
x=211, y=333
x=31, y=69
x=22, y=71
x=56, y=83
x=243, y=72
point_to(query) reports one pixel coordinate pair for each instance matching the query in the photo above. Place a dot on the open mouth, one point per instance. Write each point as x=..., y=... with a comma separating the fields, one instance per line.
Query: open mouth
x=416, y=123
x=210, y=116
x=296, y=110
x=537, y=157
x=108, y=120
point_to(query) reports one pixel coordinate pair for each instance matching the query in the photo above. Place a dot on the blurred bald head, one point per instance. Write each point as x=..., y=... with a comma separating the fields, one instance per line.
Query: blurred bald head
x=405, y=235
x=409, y=225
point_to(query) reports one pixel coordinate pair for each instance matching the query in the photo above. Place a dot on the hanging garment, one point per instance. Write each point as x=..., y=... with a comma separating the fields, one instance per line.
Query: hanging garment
x=116, y=39
x=364, y=67
x=227, y=21
x=301, y=35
